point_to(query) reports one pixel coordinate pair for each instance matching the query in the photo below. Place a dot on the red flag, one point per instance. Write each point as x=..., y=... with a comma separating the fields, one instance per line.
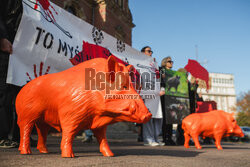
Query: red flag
x=197, y=71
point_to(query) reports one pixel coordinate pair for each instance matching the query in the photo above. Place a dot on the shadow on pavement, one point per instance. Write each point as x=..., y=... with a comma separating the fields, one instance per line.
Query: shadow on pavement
x=225, y=145
x=156, y=152
x=124, y=148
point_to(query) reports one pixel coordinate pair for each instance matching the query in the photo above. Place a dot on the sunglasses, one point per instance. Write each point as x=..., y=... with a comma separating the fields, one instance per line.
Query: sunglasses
x=170, y=61
x=149, y=51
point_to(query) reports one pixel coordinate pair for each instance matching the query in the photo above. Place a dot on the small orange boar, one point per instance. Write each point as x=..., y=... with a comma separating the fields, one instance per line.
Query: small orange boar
x=215, y=124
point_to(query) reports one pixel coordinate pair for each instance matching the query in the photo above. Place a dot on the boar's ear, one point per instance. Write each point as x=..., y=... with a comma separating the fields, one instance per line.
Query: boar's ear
x=112, y=68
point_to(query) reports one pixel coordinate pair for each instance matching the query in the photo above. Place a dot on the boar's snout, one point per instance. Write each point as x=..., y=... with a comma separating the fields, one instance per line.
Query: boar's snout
x=241, y=134
x=145, y=115
x=139, y=111
x=146, y=118
x=238, y=132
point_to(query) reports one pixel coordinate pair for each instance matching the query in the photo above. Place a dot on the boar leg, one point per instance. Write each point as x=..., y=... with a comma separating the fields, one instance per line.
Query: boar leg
x=100, y=134
x=25, y=131
x=67, y=140
x=42, y=131
x=195, y=137
x=217, y=138
x=187, y=138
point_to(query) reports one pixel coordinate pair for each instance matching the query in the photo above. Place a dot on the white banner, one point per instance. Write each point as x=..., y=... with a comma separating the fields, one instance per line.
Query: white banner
x=49, y=40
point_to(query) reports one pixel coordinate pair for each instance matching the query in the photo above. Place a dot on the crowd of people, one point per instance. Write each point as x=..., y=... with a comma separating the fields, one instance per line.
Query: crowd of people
x=10, y=16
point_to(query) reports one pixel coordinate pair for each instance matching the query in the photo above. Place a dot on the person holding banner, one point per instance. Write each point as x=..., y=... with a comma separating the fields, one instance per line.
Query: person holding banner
x=166, y=64
x=175, y=102
x=152, y=128
x=10, y=15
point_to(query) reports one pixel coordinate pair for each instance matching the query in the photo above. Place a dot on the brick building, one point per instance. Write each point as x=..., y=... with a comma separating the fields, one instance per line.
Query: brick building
x=111, y=16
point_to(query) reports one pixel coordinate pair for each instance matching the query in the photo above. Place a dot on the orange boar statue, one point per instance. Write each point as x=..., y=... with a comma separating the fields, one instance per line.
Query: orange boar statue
x=215, y=124
x=86, y=96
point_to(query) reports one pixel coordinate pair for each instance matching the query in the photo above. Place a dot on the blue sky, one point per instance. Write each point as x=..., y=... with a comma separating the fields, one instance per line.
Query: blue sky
x=219, y=28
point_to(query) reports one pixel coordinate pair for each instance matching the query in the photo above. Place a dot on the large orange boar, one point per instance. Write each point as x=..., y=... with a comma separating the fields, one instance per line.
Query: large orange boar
x=75, y=99
x=215, y=124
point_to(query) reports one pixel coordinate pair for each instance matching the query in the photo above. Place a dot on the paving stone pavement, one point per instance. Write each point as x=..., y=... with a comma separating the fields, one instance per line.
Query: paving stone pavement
x=128, y=152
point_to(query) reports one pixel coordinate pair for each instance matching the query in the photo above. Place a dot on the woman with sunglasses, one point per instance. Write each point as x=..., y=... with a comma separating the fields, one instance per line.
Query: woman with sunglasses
x=167, y=129
x=152, y=128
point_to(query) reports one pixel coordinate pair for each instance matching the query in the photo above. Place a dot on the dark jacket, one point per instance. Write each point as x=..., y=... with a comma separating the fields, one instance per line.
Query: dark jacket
x=10, y=16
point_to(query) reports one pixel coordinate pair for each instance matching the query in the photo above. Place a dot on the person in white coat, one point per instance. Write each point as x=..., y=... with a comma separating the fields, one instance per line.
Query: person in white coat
x=152, y=128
